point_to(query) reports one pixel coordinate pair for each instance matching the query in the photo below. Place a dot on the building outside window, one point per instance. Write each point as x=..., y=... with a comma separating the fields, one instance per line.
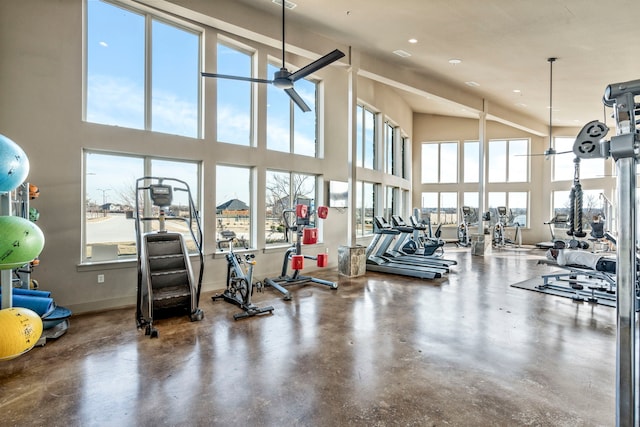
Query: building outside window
x=233, y=115
x=440, y=207
x=389, y=144
x=234, y=204
x=508, y=160
x=110, y=200
x=284, y=190
x=289, y=129
x=439, y=162
x=366, y=138
x=365, y=207
x=564, y=167
x=123, y=90
x=471, y=161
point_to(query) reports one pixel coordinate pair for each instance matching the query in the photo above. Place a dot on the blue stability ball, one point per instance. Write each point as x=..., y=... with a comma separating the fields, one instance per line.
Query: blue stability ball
x=14, y=165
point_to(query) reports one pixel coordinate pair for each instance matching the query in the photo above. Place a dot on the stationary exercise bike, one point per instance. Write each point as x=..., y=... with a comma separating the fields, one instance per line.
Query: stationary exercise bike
x=240, y=280
x=305, y=235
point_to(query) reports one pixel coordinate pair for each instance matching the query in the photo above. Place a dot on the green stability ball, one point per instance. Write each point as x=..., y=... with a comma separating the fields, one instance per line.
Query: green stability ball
x=14, y=165
x=20, y=242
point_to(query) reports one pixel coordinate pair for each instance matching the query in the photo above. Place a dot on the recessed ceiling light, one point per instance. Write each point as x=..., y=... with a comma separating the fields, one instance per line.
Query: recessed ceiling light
x=517, y=91
x=402, y=53
x=288, y=4
x=455, y=61
x=413, y=41
x=472, y=84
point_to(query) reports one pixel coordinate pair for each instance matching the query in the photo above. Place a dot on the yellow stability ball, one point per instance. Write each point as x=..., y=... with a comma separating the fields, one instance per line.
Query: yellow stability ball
x=20, y=330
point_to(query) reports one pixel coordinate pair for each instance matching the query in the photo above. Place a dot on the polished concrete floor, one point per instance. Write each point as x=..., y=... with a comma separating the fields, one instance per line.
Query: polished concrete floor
x=382, y=350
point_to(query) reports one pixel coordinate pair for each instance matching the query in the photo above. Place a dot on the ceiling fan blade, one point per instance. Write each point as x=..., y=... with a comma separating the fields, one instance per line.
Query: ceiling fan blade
x=316, y=65
x=298, y=100
x=244, y=79
x=543, y=154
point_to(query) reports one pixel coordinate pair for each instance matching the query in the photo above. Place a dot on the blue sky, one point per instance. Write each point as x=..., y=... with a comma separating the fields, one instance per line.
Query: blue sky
x=115, y=83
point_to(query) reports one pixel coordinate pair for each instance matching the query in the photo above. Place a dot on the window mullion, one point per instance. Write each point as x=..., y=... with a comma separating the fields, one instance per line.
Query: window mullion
x=292, y=126
x=148, y=73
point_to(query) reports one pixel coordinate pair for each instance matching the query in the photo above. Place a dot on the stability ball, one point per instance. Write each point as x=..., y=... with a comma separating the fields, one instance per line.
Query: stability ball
x=20, y=330
x=14, y=165
x=21, y=242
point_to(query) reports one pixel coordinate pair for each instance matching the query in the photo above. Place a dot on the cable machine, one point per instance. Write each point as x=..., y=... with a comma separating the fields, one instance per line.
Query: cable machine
x=624, y=149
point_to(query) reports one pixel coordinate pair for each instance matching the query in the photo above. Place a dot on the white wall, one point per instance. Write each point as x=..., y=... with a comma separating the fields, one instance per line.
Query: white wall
x=41, y=107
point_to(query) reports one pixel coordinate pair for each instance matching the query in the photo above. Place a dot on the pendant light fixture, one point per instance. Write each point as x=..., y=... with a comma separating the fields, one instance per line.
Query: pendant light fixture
x=550, y=151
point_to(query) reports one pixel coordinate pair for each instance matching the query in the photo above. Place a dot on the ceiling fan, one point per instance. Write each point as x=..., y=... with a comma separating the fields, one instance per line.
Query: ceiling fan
x=550, y=151
x=283, y=78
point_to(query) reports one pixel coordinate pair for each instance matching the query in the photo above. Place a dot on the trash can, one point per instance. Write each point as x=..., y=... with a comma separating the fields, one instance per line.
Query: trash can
x=479, y=244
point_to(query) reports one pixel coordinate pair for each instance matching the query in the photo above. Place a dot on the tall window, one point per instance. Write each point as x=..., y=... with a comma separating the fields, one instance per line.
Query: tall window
x=389, y=148
x=508, y=160
x=403, y=157
x=592, y=205
x=470, y=199
x=365, y=207
x=284, y=190
x=366, y=138
x=440, y=207
x=390, y=202
x=564, y=167
x=439, y=162
x=117, y=73
x=110, y=192
x=471, y=161
x=233, y=203
x=515, y=201
x=289, y=129
x=233, y=117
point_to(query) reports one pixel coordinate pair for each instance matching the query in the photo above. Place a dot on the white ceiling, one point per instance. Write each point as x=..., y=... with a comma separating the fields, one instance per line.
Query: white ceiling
x=503, y=45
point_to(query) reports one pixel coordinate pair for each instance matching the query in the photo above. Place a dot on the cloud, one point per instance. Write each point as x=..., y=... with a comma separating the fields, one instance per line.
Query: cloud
x=120, y=102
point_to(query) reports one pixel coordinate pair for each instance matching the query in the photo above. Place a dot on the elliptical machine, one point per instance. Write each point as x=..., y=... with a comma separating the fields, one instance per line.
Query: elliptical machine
x=240, y=280
x=499, y=229
x=464, y=237
x=165, y=276
x=306, y=235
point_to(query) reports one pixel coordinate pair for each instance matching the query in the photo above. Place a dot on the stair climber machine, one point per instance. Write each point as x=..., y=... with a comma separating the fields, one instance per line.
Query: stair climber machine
x=240, y=280
x=166, y=282
x=297, y=221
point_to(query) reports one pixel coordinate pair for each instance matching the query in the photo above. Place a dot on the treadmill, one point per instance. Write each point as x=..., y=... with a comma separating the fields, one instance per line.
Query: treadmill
x=378, y=261
x=397, y=254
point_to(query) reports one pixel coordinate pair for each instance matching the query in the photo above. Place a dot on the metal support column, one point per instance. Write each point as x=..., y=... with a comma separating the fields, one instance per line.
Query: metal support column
x=624, y=148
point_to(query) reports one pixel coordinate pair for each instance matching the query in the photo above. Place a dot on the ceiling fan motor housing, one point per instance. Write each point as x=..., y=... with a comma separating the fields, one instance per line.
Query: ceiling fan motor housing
x=281, y=79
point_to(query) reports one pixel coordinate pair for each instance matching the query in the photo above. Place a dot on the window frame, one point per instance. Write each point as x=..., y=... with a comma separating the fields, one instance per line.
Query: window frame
x=150, y=16
x=252, y=54
x=506, y=168
x=366, y=145
x=293, y=112
x=439, y=162
x=287, y=238
x=147, y=163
